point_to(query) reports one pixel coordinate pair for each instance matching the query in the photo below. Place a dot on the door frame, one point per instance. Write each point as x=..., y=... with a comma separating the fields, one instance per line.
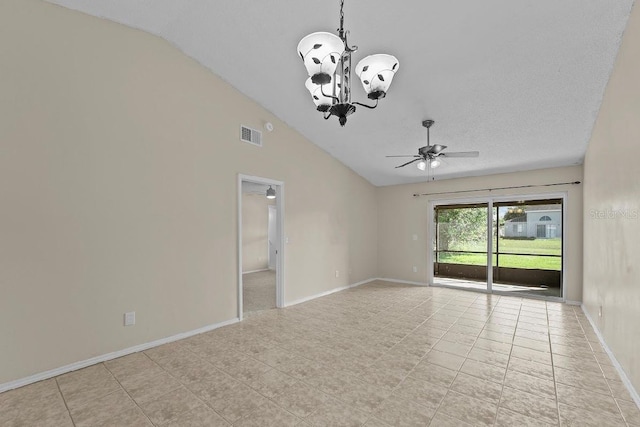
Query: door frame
x=490, y=200
x=275, y=210
x=279, y=231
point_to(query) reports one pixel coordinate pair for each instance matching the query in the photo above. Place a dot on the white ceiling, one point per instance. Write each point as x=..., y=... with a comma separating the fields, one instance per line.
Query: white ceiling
x=519, y=81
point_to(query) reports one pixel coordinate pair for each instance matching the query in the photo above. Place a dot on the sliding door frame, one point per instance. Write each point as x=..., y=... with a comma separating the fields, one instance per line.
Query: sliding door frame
x=490, y=200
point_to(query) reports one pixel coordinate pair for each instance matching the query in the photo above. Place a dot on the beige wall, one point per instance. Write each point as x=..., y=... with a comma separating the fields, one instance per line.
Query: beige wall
x=255, y=231
x=612, y=188
x=118, y=182
x=400, y=215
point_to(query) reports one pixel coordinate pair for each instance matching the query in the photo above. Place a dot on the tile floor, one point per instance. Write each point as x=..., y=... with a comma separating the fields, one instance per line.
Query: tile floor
x=258, y=291
x=377, y=355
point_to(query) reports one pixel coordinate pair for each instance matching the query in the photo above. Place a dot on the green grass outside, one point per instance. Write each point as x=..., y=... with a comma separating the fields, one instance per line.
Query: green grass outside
x=527, y=247
x=538, y=246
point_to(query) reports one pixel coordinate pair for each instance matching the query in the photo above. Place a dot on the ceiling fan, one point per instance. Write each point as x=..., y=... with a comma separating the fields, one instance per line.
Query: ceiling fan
x=429, y=154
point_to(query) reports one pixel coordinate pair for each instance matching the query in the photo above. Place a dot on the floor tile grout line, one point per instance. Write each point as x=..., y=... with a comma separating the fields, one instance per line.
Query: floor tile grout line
x=247, y=385
x=425, y=355
x=450, y=326
x=553, y=371
x=171, y=391
x=126, y=391
x=456, y=321
x=405, y=376
x=458, y=371
x=600, y=366
x=408, y=374
x=582, y=388
x=64, y=401
x=99, y=397
x=466, y=358
x=495, y=420
x=436, y=343
x=202, y=401
x=271, y=399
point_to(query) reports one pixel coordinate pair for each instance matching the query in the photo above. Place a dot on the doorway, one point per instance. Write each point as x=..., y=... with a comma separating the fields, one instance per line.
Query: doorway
x=260, y=251
x=501, y=245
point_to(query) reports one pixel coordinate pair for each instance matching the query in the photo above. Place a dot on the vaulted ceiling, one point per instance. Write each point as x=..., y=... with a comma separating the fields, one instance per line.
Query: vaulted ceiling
x=519, y=81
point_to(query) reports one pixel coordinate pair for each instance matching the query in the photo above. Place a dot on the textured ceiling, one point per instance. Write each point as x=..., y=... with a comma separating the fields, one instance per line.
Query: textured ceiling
x=519, y=81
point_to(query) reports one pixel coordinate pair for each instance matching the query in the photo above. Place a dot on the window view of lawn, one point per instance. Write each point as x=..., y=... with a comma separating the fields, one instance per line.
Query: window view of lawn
x=506, y=257
x=462, y=236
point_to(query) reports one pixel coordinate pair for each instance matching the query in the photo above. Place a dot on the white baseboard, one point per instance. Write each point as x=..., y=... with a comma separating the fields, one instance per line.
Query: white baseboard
x=109, y=356
x=573, y=302
x=404, y=282
x=329, y=292
x=623, y=376
x=255, y=271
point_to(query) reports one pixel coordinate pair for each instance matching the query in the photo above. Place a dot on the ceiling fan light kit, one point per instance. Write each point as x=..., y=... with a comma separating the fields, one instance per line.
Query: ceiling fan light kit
x=327, y=58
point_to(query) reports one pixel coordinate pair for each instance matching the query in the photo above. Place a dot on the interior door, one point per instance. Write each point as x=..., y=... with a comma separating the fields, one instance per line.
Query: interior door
x=273, y=238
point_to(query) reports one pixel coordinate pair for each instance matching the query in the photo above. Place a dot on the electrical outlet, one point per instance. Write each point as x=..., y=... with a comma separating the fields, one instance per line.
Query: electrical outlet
x=415, y=269
x=130, y=318
x=415, y=237
x=337, y=273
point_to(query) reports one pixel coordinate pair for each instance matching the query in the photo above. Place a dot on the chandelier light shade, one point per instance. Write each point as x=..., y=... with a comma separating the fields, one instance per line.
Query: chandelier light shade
x=321, y=53
x=323, y=94
x=422, y=165
x=327, y=58
x=271, y=193
x=376, y=73
x=435, y=163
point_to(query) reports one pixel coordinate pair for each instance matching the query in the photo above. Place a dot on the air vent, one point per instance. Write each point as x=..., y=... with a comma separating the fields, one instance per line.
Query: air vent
x=251, y=136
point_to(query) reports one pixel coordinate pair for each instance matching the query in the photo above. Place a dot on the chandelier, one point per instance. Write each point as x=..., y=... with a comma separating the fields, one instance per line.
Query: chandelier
x=327, y=58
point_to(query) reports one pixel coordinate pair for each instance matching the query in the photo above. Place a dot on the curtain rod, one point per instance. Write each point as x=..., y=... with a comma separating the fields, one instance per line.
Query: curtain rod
x=496, y=188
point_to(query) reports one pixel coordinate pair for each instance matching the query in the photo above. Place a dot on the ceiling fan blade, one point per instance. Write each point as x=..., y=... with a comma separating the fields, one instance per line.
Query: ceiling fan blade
x=408, y=155
x=462, y=154
x=435, y=149
x=408, y=163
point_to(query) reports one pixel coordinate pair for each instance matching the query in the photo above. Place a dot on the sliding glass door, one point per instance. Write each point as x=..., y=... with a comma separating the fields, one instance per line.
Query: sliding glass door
x=521, y=238
x=529, y=247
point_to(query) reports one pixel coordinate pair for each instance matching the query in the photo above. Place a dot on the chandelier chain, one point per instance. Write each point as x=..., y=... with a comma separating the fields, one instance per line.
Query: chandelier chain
x=341, y=29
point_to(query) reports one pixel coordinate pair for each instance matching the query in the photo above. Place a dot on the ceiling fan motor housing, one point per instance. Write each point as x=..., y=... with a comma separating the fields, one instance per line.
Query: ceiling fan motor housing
x=424, y=151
